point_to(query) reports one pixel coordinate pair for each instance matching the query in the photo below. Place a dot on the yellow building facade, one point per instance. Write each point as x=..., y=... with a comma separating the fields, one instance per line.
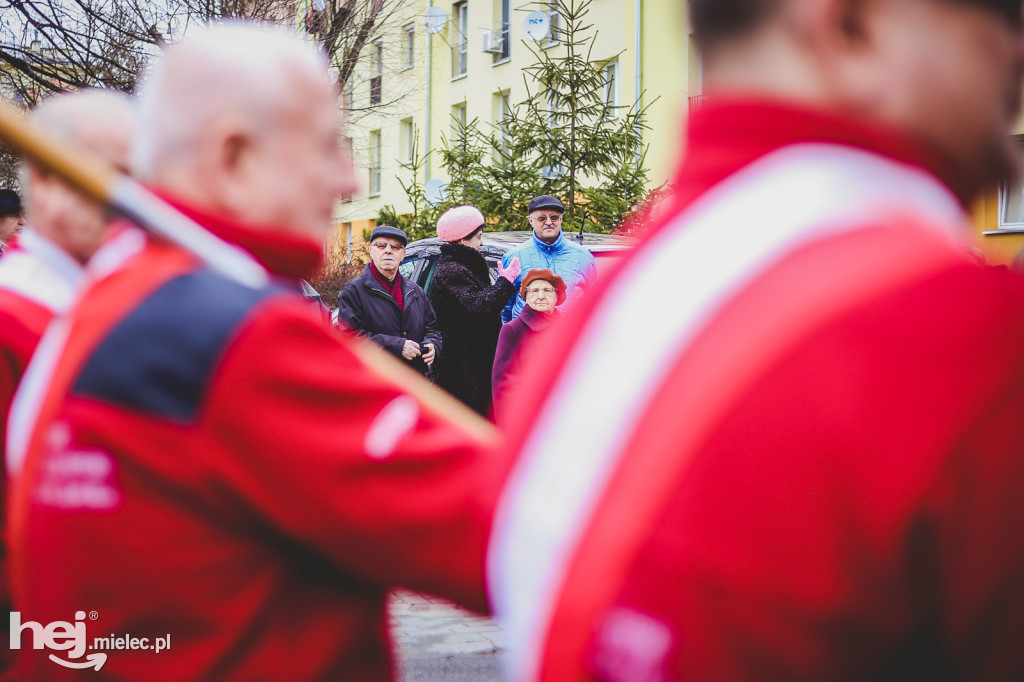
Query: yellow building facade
x=439, y=60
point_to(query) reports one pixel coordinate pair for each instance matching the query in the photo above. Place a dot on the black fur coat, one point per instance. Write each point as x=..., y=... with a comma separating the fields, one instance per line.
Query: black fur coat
x=468, y=309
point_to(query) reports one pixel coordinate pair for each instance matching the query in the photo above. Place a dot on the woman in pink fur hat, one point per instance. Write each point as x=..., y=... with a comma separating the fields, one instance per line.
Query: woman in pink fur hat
x=468, y=308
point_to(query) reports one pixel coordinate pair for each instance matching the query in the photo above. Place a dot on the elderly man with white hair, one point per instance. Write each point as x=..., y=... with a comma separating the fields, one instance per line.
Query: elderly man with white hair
x=43, y=267
x=211, y=469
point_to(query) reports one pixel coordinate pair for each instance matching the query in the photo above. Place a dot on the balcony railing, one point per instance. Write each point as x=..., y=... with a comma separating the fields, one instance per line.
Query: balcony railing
x=696, y=102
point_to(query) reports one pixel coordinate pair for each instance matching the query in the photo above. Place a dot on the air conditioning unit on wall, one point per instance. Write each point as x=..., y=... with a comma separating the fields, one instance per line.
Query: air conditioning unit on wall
x=493, y=42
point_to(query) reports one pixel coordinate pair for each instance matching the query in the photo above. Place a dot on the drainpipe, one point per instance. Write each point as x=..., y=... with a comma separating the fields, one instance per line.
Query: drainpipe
x=430, y=78
x=639, y=82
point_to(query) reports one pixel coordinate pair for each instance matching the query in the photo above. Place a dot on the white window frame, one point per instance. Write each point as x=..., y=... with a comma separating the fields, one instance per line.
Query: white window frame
x=407, y=132
x=461, y=114
x=378, y=72
x=410, y=45
x=611, y=86
x=504, y=110
x=1004, y=196
x=460, y=54
x=375, y=166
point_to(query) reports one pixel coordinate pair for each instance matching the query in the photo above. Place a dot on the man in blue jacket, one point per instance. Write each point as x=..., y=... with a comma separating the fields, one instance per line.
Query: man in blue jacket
x=549, y=249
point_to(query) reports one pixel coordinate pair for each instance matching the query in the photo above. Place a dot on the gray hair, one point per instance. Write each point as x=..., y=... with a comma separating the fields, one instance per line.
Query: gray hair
x=70, y=116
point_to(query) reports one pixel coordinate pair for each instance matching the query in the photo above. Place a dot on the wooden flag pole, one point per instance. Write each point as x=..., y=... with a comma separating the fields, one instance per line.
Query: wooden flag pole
x=105, y=185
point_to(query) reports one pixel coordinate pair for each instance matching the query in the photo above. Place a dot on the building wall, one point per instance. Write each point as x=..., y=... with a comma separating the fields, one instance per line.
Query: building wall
x=666, y=80
x=1000, y=243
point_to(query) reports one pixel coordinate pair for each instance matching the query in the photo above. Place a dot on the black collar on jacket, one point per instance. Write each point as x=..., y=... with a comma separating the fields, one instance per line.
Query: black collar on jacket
x=469, y=257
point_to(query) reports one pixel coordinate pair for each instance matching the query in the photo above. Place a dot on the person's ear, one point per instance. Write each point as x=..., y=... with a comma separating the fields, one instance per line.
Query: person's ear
x=228, y=161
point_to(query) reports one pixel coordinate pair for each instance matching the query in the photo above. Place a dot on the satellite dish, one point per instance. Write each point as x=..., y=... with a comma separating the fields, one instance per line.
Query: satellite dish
x=434, y=19
x=536, y=26
x=435, y=191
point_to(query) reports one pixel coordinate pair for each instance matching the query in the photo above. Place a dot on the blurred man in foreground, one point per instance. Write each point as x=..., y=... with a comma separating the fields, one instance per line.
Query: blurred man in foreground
x=41, y=273
x=807, y=466
x=210, y=467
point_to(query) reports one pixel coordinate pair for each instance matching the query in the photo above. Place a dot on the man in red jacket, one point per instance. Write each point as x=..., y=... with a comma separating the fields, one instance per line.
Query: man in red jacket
x=40, y=273
x=807, y=464
x=226, y=487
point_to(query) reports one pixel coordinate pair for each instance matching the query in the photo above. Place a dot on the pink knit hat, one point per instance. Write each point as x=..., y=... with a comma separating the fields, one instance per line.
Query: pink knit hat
x=459, y=222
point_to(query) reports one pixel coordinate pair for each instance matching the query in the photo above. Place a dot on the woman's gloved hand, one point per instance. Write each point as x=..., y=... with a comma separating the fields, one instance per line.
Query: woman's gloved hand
x=513, y=270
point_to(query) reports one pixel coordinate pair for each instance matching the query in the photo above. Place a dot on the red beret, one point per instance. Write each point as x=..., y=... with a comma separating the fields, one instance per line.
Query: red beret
x=543, y=273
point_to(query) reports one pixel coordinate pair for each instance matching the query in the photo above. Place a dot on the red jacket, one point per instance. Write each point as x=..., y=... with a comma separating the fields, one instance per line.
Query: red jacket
x=211, y=463
x=30, y=291
x=805, y=465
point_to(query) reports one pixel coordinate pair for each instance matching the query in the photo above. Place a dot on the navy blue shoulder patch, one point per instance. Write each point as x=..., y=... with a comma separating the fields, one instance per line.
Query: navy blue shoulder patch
x=159, y=358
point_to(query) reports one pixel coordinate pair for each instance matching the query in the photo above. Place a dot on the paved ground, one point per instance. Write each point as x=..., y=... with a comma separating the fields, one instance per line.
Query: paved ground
x=438, y=642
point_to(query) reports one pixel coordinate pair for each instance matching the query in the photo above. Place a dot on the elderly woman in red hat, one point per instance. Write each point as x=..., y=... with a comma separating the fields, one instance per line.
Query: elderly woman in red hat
x=543, y=290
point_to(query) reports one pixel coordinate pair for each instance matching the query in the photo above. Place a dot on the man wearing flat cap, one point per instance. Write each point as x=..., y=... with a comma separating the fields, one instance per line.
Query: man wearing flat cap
x=389, y=309
x=548, y=248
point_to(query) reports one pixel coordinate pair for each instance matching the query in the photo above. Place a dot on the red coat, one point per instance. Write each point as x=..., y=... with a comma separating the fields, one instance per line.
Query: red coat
x=210, y=462
x=807, y=464
x=31, y=289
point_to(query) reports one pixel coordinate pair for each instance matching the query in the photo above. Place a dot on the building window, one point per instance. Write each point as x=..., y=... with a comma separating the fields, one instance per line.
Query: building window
x=460, y=53
x=377, y=69
x=458, y=117
x=505, y=12
x=375, y=171
x=1011, y=197
x=503, y=112
x=611, y=84
x=346, y=145
x=348, y=99
x=346, y=230
x=410, y=45
x=553, y=109
x=406, y=140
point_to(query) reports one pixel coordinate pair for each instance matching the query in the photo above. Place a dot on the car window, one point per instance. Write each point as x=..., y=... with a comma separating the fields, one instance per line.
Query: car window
x=408, y=267
x=426, y=275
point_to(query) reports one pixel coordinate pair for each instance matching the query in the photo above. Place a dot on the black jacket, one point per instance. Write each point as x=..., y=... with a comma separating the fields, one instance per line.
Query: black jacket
x=367, y=309
x=468, y=311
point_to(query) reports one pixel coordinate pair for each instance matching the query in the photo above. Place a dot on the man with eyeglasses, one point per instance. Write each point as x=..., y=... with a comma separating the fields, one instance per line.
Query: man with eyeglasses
x=388, y=308
x=548, y=248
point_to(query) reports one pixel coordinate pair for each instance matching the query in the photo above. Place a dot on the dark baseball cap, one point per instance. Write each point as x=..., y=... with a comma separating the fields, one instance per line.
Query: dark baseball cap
x=10, y=203
x=390, y=232
x=545, y=201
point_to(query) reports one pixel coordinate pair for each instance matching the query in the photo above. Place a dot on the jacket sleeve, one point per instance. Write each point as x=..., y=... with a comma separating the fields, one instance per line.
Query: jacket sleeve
x=506, y=312
x=589, y=270
x=350, y=311
x=482, y=302
x=335, y=458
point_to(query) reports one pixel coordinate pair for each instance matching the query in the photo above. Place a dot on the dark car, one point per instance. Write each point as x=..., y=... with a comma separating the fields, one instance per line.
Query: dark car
x=421, y=255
